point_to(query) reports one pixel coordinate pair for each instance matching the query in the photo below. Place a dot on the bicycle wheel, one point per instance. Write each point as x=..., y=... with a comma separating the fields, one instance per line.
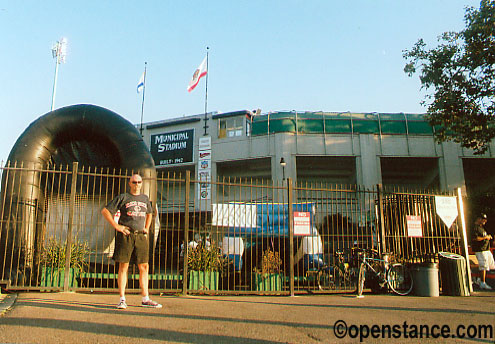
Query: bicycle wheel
x=352, y=278
x=361, y=278
x=399, y=279
x=324, y=279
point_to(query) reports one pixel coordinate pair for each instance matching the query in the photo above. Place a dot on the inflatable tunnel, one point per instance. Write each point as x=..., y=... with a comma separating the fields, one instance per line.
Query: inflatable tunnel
x=96, y=138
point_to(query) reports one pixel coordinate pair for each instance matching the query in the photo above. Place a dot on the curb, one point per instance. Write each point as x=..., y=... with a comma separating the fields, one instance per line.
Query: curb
x=7, y=303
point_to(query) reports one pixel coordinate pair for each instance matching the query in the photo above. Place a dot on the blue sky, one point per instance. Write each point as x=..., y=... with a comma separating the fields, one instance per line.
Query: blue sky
x=274, y=55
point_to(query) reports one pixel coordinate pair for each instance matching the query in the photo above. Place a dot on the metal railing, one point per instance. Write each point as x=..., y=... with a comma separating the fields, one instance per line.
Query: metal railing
x=243, y=236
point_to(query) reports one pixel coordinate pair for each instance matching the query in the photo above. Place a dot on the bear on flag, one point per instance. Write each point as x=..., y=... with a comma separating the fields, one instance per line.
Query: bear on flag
x=198, y=74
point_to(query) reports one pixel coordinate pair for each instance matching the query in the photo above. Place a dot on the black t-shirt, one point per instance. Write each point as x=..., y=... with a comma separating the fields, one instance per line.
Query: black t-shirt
x=479, y=246
x=133, y=210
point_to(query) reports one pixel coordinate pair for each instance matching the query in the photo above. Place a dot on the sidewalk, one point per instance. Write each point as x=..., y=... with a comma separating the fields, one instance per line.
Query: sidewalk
x=93, y=318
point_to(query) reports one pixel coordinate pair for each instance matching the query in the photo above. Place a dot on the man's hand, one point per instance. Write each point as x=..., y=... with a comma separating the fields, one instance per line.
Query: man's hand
x=123, y=229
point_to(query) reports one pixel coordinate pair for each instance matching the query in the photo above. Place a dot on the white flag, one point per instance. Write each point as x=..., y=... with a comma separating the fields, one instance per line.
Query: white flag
x=140, y=85
x=198, y=74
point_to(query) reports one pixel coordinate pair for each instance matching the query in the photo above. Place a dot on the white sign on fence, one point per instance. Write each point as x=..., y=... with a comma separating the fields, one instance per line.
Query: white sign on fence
x=447, y=209
x=414, y=227
x=302, y=223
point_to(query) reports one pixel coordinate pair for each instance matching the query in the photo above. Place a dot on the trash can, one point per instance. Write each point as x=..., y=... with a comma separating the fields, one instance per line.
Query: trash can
x=453, y=274
x=425, y=279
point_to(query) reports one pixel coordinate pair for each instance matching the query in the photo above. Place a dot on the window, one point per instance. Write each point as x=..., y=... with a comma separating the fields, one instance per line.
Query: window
x=230, y=127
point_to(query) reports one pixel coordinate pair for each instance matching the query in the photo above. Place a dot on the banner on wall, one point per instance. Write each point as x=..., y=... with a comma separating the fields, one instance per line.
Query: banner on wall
x=172, y=148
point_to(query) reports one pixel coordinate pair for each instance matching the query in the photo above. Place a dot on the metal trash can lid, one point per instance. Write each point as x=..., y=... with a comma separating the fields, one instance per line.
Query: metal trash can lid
x=450, y=255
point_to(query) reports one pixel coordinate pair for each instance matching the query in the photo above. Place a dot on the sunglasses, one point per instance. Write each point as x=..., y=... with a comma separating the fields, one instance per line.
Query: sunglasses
x=136, y=182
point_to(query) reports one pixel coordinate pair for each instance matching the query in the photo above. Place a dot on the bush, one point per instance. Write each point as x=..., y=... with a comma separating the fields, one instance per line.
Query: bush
x=54, y=253
x=202, y=258
x=270, y=263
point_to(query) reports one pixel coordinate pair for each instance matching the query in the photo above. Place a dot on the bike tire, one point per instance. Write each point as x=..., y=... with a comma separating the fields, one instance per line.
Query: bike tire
x=325, y=280
x=399, y=279
x=361, y=279
x=352, y=278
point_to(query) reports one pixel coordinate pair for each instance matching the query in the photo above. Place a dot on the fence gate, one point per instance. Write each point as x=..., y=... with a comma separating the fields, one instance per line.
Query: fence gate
x=227, y=236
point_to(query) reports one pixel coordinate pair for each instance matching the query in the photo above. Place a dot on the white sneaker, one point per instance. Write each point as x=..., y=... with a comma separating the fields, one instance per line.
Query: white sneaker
x=477, y=281
x=483, y=285
x=122, y=305
x=151, y=304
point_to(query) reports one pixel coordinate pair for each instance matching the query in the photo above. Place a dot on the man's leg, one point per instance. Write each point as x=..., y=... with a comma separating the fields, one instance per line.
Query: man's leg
x=143, y=284
x=122, y=278
x=143, y=278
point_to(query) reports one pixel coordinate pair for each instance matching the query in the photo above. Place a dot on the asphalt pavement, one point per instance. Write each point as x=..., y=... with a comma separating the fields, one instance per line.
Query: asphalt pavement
x=34, y=317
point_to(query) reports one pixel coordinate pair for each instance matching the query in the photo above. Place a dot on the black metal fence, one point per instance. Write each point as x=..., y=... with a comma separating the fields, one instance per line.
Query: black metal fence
x=227, y=236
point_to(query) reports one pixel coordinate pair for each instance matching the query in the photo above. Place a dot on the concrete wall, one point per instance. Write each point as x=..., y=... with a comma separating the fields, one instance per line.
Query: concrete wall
x=366, y=148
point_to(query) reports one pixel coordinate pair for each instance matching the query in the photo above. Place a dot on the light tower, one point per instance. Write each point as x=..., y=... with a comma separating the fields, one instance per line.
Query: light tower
x=59, y=52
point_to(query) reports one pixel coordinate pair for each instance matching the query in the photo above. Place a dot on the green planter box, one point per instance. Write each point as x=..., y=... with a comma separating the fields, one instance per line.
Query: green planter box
x=203, y=280
x=55, y=277
x=268, y=282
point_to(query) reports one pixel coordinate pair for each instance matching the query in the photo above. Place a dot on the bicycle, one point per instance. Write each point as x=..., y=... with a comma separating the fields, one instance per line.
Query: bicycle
x=395, y=276
x=343, y=273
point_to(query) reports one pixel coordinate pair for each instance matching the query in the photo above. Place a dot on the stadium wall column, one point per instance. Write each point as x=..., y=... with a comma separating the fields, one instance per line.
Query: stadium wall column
x=368, y=164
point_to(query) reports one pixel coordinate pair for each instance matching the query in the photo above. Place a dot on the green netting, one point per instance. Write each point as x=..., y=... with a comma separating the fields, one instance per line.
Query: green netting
x=420, y=128
x=392, y=117
x=415, y=116
x=366, y=116
x=366, y=127
x=338, y=126
x=393, y=127
x=259, y=127
x=340, y=122
x=310, y=126
x=282, y=125
x=278, y=115
x=309, y=115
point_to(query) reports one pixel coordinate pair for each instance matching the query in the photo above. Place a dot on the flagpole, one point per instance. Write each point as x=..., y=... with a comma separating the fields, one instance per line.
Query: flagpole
x=142, y=103
x=206, y=91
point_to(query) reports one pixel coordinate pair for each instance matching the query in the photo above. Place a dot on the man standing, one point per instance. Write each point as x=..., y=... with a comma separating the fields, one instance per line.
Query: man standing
x=131, y=237
x=481, y=247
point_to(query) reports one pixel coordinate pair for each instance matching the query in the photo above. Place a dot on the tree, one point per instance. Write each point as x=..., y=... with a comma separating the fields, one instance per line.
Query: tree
x=459, y=77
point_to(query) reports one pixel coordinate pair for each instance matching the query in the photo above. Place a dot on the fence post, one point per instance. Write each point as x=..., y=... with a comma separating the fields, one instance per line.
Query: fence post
x=460, y=211
x=382, y=246
x=68, y=241
x=186, y=233
x=291, y=234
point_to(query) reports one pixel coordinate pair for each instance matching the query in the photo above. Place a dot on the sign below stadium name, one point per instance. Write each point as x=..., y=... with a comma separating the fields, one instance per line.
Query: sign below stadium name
x=172, y=148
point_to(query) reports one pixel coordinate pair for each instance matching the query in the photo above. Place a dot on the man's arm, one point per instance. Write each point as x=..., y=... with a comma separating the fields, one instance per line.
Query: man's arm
x=481, y=238
x=109, y=217
x=147, y=223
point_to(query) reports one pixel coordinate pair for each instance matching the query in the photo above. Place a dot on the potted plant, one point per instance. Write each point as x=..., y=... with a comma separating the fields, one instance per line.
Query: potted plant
x=53, y=256
x=269, y=276
x=204, y=263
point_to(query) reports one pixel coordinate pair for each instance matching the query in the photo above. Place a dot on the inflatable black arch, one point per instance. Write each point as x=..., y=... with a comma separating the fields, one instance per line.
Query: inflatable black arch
x=91, y=135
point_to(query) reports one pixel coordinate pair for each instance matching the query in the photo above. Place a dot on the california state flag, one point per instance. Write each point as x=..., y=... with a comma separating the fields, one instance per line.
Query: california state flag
x=198, y=74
